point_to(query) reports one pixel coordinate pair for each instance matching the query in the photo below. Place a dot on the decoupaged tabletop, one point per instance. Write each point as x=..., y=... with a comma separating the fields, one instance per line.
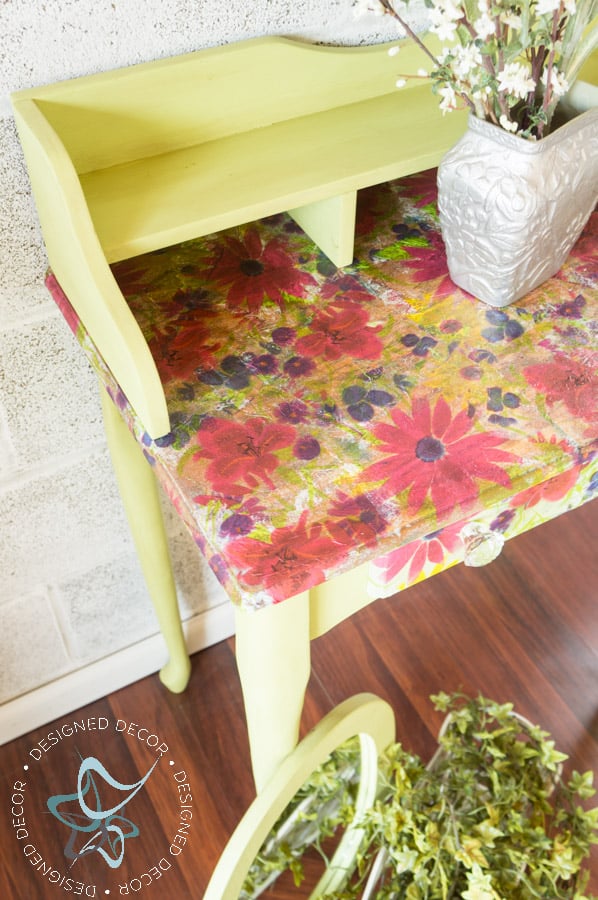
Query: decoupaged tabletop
x=323, y=418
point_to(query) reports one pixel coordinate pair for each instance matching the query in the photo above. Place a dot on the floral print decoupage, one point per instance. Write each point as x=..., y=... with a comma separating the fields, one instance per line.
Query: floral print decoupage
x=322, y=418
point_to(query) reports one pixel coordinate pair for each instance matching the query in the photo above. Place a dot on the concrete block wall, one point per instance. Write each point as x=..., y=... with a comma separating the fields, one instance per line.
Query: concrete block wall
x=71, y=591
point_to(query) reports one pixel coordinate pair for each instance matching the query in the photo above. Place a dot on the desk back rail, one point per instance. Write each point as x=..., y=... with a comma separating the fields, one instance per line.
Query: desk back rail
x=140, y=158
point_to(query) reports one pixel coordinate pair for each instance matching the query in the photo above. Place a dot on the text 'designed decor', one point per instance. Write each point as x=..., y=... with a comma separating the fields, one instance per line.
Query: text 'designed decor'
x=340, y=434
x=328, y=433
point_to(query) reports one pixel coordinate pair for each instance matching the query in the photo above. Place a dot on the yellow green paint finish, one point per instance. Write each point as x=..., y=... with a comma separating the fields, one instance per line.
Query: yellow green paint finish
x=144, y=157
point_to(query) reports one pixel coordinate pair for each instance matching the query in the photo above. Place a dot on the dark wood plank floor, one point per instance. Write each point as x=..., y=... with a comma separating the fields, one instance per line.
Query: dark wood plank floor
x=524, y=629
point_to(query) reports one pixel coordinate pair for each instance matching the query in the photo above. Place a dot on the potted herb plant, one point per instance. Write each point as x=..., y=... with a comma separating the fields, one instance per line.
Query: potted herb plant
x=517, y=189
x=490, y=817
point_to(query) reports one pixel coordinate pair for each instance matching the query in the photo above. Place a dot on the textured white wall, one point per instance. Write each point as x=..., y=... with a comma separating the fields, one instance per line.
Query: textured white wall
x=70, y=587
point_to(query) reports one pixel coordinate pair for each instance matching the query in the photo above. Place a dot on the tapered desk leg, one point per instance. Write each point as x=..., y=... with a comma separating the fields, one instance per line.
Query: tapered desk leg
x=141, y=500
x=273, y=658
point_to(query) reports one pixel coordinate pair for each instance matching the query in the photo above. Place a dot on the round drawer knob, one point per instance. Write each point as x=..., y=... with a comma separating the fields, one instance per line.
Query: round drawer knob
x=481, y=544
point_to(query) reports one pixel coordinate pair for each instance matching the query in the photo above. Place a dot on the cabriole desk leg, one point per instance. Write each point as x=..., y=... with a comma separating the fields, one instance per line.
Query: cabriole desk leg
x=273, y=658
x=139, y=492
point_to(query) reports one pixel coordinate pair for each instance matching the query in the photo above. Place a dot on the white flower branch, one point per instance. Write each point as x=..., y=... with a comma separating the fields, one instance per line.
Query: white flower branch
x=509, y=61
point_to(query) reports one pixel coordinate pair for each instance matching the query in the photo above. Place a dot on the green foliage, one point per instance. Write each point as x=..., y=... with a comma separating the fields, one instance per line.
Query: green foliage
x=323, y=804
x=490, y=817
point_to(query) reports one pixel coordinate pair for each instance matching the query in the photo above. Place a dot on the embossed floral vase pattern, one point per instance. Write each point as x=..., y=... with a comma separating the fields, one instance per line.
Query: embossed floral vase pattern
x=325, y=418
x=511, y=210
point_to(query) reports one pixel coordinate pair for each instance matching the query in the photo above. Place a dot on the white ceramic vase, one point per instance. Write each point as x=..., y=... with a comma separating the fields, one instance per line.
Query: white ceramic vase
x=511, y=209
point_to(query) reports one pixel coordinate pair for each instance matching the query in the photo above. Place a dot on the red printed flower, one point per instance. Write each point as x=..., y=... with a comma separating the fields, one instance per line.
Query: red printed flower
x=359, y=521
x=187, y=346
x=430, y=452
x=293, y=560
x=244, y=452
x=566, y=380
x=341, y=330
x=253, y=272
x=429, y=549
x=62, y=302
x=368, y=213
x=345, y=288
x=131, y=276
x=428, y=263
x=422, y=185
x=583, y=254
x=552, y=490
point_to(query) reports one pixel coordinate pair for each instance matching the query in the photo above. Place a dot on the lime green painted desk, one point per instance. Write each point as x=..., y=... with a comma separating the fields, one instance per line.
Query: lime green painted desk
x=144, y=157
x=332, y=418
x=140, y=158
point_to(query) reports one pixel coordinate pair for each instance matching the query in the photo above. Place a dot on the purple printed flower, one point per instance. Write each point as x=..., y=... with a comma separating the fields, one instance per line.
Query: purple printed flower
x=236, y=525
x=293, y=411
x=502, y=327
x=503, y=520
x=282, y=336
x=572, y=309
x=297, y=366
x=266, y=364
x=306, y=448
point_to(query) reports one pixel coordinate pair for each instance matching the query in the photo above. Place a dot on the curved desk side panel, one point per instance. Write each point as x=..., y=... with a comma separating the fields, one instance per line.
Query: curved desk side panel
x=140, y=158
x=81, y=268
